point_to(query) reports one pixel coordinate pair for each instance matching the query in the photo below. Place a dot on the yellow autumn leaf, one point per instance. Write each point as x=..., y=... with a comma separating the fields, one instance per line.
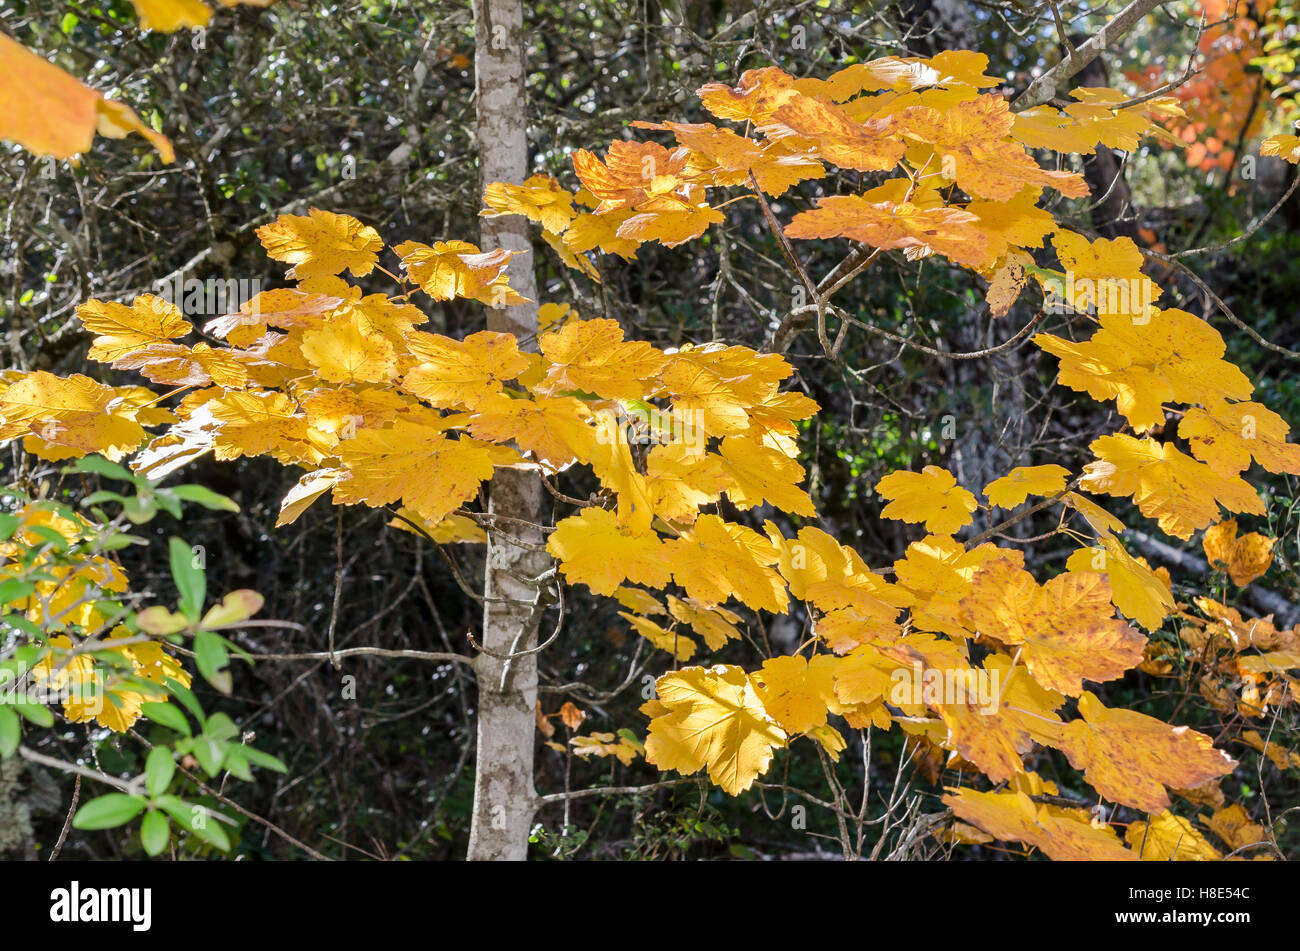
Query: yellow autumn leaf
x=321, y=243
x=120, y=330
x=1067, y=628
x=1129, y=757
x=796, y=691
x=451, y=269
x=890, y=225
x=931, y=497
x=1283, y=145
x=1062, y=834
x=553, y=428
x=342, y=352
x=48, y=112
x=540, y=198
x=1181, y=493
x=679, y=480
x=308, y=489
x=1166, y=837
x=413, y=461
x=1135, y=589
x=1023, y=481
x=715, y=624
x=1245, y=557
x=168, y=16
x=718, y=559
x=639, y=601
x=593, y=549
x=715, y=721
x=971, y=146
x=591, y=356
x=760, y=474
x=679, y=645
x=75, y=412
x=461, y=373
x=1142, y=363
x=254, y=423
x=1226, y=435
x=1233, y=825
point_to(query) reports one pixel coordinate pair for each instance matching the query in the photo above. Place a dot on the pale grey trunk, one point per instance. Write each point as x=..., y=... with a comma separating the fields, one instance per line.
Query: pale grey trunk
x=504, y=798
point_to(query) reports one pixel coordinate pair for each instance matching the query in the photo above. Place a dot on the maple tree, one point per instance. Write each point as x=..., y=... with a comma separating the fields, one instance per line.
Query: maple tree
x=702, y=522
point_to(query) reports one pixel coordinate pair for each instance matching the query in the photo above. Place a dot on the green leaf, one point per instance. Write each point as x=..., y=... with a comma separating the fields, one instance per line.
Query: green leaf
x=186, y=698
x=108, y=812
x=139, y=509
x=158, y=770
x=221, y=727
x=8, y=525
x=264, y=760
x=97, y=498
x=189, y=578
x=168, y=502
x=211, y=831
x=176, y=807
x=10, y=732
x=237, y=764
x=11, y=589
x=155, y=832
x=211, y=658
x=100, y=466
x=33, y=711
x=166, y=715
x=120, y=540
x=20, y=623
x=210, y=753
x=205, y=497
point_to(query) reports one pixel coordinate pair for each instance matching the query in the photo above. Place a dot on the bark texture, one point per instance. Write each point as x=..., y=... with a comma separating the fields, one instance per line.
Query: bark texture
x=504, y=797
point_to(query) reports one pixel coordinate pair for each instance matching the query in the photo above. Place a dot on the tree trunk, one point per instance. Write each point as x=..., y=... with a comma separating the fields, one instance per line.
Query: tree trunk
x=504, y=798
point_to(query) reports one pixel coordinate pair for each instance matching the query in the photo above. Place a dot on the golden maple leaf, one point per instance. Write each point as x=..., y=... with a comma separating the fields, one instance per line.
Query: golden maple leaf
x=714, y=720
x=715, y=624
x=931, y=496
x=1176, y=490
x=462, y=373
x=120, y=330
x=1226, y=435
x=1135, y=589
x=1245, y=557
x=76, y=413
x=1166, y=837
x=1062, y=834
x=593, y=549
x=540, y=198
x=415, y=461
x=591, y=355
x=889, y=225
x=453, y=269
x=554, y=429
x=679, y=645
x=1023, y=481
x=1129, y=757
x=970, y=140
x=796, y=692
x=1067, y=628
x=321, y=243
x=718, y=559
